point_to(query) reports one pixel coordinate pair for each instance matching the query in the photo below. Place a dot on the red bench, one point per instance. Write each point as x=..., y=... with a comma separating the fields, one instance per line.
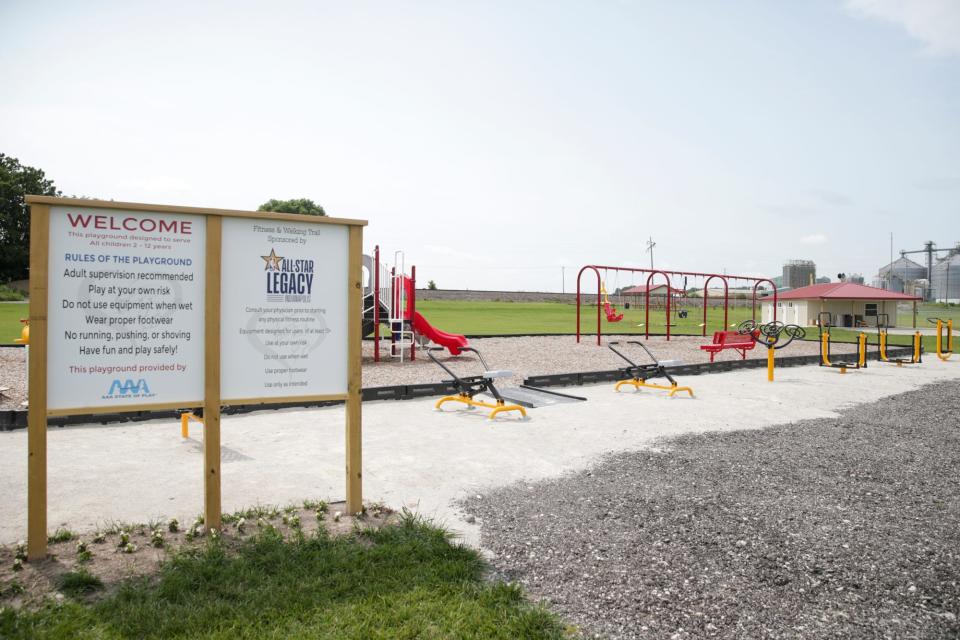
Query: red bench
x=729, y=340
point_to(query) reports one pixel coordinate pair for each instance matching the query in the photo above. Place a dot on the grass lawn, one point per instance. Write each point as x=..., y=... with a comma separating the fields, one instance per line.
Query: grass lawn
x=499, y=318
x=401, y=581
x=10, y=314
x=494, y=318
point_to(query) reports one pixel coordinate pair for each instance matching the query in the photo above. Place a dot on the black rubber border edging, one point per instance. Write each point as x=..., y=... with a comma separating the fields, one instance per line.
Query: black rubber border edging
x=17, y=419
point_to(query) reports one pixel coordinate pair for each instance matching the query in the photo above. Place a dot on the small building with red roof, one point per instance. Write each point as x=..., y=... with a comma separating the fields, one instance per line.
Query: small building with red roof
x=850, y=305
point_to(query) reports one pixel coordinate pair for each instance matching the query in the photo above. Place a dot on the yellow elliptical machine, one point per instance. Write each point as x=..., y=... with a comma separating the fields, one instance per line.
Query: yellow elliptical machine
x=943, y=353
x=916, y=356
x=825, y=321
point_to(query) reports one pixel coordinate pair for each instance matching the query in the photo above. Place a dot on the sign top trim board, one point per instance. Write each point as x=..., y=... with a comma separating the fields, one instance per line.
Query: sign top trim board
x=162, y=208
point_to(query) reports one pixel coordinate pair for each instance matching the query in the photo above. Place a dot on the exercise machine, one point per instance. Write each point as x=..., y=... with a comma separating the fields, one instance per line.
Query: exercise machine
x=916, y=356
x=769, y=336
x=638, y=374
x=825, y=322
x=522, y=398
x=943, y=353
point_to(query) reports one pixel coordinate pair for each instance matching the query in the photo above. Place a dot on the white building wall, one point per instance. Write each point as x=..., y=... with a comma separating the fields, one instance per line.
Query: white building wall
x=806, y=312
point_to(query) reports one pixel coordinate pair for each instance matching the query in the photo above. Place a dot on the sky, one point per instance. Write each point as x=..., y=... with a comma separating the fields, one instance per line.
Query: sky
x=502, y=145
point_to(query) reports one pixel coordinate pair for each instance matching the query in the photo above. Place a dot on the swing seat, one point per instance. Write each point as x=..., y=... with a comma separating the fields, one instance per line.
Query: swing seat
x=611, y=312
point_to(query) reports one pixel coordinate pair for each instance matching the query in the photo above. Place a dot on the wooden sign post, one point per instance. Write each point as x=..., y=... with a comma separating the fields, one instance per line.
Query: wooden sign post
x=137, y=307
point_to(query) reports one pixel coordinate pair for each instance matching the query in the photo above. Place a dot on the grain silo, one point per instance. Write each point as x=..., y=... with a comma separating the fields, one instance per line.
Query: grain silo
x=945, y=283
x=799, y=273
x=899, y=274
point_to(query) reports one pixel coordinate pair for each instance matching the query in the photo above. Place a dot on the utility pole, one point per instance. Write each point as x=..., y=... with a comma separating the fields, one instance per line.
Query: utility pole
x=650, y=245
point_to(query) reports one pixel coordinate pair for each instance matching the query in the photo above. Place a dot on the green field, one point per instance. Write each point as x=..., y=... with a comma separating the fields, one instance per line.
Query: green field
x=499, y=318
x=503, y=318
x=10, y=314
x=402, y=581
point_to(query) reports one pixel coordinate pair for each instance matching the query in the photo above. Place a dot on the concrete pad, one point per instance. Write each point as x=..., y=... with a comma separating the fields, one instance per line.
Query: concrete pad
x=413, y=456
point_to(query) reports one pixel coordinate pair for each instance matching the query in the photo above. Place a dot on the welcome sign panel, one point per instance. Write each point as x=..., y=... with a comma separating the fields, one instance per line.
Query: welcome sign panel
x=125, y=308
x=283, y=308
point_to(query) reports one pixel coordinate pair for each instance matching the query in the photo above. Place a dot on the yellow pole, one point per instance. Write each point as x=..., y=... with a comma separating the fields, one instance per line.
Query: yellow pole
x=917, y=341
x=939, y=336
x=825, y=348
x=770, y=360
x=184, y=427
x=883, y=346
x=211, y=384
x=950, y=336
x=37, y=384
x=862, y=340
x=354, y=422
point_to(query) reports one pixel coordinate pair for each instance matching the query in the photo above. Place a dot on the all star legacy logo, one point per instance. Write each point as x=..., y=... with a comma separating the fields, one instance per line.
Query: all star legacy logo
x=288, y=280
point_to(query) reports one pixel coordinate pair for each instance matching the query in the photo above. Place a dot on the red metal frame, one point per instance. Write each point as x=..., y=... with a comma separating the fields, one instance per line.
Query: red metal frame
x=413, y=309
x=376, y=303
x=726, y=301
x=666, y=274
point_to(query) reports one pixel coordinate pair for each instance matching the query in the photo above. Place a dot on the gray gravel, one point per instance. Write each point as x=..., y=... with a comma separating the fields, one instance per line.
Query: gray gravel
x=829, y=528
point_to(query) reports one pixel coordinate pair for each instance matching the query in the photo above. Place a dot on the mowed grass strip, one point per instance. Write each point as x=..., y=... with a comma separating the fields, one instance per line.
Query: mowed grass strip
x=503, y=318
x=10, y=315
x=401, y=581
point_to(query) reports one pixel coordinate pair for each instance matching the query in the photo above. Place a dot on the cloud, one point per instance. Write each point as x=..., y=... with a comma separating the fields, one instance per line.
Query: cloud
x=814, y=238
x=936, y=23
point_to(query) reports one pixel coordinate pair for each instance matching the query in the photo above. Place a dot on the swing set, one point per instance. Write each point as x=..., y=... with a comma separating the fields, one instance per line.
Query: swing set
x=604, y=302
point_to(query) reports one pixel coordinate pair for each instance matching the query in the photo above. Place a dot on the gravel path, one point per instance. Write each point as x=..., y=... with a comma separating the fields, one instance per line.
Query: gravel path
x=828, y=528
x=525, y=356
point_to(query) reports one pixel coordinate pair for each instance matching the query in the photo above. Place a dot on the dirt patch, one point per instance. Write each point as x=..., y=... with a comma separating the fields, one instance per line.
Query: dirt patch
x=120, y=551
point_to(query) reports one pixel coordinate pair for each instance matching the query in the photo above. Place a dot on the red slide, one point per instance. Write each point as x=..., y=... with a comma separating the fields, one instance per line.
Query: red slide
x=451, y=341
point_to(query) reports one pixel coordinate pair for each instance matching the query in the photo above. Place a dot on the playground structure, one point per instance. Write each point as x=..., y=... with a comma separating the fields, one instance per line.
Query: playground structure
x=725, y=279
x=916, y=356
x=769, y=336
x=943, y=354
x=825, y=322
x=24, y=338
x=185, y=419
x=638, y=374
x=390, y=296
x=523, y=397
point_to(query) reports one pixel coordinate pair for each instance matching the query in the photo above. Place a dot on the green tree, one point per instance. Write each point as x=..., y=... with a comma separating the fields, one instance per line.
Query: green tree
x=431, y=285
x=16, y=181
x=296, y=205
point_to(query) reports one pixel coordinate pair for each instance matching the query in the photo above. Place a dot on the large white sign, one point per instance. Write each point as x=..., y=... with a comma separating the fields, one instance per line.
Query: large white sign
x=283, y=309
x=125, y=308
